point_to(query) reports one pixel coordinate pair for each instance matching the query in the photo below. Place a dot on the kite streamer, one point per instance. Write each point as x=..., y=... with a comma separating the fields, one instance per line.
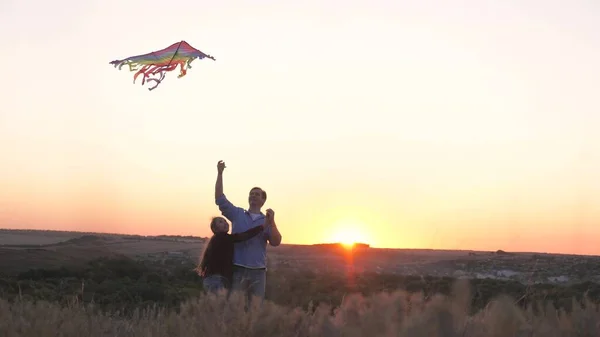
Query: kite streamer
x=154, y=66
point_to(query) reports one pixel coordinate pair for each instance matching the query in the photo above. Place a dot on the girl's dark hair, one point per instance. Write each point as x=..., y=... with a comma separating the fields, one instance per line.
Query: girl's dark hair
x=198, y=268
x=212, y=224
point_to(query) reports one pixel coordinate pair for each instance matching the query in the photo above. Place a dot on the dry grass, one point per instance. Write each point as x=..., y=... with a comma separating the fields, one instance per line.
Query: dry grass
x=383, y=314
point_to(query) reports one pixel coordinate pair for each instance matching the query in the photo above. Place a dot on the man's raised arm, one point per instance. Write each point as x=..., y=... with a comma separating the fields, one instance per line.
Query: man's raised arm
x=227, y=208
x=219, y=183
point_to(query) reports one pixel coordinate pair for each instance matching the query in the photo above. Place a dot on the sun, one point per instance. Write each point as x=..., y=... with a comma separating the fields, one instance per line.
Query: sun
x=348, y=236
x=348, y=241
x=348, y=245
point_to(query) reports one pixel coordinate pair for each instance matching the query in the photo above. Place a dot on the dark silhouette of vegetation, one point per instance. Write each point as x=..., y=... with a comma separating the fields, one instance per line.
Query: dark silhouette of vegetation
x=125, y=284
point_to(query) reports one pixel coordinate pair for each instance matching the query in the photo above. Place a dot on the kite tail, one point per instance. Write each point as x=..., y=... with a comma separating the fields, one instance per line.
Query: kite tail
x=141, y=72
x=157, y=80
x=133, y=66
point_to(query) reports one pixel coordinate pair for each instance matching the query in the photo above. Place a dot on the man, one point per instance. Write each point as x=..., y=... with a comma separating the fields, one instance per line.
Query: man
x=249, y=257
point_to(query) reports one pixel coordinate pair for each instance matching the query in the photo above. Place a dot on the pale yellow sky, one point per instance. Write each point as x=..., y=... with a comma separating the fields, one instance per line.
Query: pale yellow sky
x=438, y=124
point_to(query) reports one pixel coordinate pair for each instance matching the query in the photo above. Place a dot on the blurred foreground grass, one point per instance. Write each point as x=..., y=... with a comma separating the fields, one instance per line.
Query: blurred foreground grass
x=395, y=313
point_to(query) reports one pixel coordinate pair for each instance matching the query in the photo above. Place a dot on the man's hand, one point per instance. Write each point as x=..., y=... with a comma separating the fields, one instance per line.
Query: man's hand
x=275, y=236
x=220, y=166
x=270, y=216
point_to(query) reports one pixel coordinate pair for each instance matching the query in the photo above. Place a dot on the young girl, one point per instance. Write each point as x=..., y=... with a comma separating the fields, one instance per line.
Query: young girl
x=216, y=267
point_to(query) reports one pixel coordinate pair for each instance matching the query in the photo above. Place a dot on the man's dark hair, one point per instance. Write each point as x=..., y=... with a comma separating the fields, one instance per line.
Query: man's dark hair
x=264, y=194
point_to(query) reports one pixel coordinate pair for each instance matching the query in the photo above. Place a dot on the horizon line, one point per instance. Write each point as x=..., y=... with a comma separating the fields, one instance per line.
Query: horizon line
x=294, y=244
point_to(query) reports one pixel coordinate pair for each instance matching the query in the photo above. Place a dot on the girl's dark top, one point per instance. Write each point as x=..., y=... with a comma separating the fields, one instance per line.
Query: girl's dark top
x=218, y=256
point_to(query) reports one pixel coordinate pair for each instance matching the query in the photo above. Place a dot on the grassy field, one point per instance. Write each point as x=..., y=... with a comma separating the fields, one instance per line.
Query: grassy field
x=381, y=314
x=95, y=285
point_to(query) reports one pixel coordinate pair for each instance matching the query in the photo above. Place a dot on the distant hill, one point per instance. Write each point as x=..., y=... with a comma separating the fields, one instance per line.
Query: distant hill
x=94, y=236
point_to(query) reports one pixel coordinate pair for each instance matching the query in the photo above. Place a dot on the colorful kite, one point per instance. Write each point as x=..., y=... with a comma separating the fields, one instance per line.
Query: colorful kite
x=157, y=63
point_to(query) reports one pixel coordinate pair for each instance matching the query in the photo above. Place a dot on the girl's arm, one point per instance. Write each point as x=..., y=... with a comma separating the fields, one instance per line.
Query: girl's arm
x=249, y=234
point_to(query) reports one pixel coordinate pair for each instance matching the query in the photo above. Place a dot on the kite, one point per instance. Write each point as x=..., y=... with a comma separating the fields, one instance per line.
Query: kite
x=154, y=65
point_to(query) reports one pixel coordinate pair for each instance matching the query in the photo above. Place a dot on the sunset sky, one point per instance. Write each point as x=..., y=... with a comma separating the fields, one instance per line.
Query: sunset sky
x=403, y=124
